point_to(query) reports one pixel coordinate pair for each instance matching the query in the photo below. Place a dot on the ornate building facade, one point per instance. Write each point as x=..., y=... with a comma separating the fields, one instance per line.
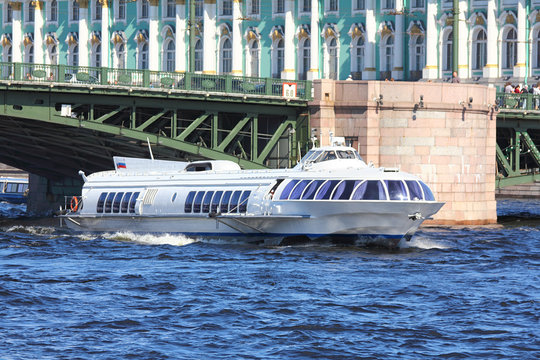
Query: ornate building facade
x=290, y=39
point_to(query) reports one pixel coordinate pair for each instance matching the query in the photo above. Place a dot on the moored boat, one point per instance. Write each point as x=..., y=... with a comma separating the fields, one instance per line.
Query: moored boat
x=331, y=194
x=13, y=190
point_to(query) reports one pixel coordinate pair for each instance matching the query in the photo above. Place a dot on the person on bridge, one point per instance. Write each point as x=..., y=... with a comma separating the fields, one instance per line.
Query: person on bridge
x=455, y=78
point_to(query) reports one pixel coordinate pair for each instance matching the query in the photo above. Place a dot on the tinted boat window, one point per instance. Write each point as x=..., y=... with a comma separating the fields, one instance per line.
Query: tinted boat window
x=101, y=202
x=133, y=201
x=285, y=193
x=311, y=190
x=345, y=189
x=244, y=201
x=206, y=202
x=299, y=189
x=346, y=154
x=108, y=202
x=116, y=203
x=428, y=195
x=369, y=190
x=414, y=190
x=224, y=207
x=188, y=206
x=197, y=202
x=396, y=190
x=326, y=190
x=125, y=202
x=233, y=206
x=215, y=201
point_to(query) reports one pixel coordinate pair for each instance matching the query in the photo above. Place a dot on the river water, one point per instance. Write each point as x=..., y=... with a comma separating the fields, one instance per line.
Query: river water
x=452, y=293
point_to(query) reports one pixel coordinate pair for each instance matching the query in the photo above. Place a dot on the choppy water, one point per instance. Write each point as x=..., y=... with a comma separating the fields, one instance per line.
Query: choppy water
x=468, y=293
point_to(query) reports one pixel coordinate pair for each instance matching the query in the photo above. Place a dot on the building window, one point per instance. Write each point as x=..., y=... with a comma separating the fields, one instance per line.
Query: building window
x=73, y=56
x=97, y=10
x=53, y=55
x=199, y=8
x=143, y=10
x=169, y=56
x=9, y=13
x=279, y=6
x=479, y=50
x=358, y=57
x=419, y=53
x=254, y=8
x=331, y=5
x=198, y=55
x=332, y=59
x=510, y=49
x=96, y=56
x=31, y=12
x=417, y=4
x=389, y=4
x=121, y=56
x=53, y=11
x=226, y=57
x=305, y=59
x=74, y=11
x=305, y=6
x=448, y=51
x=121, y=10
x=387, y=56
x=254, y=58
x=537, y=40
x=226, y=8
x=29, y=54
x=359, y=4
x=143, y=56
x=170, y=9
x=278, y=59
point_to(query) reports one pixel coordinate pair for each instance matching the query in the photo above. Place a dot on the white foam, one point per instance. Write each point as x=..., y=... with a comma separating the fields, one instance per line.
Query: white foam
x=422, y=242
x=150, y=239
x=33, y=230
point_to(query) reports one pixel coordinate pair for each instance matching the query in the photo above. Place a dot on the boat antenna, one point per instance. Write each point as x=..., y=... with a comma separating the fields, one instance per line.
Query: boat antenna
x=150, y=148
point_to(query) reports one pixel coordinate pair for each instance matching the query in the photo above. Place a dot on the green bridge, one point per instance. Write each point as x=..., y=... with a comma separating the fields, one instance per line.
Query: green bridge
x=57, y=119
x=518, y=132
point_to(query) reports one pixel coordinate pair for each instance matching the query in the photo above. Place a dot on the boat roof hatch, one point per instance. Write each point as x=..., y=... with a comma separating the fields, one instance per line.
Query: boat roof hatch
x=216, y=165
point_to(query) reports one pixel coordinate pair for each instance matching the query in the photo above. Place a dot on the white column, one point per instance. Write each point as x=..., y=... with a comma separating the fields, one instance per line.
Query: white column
x=463, y=54
x=430, y=71
x=491, y=70
x=397, y=71
x=105, y=37
x=209, y=48
x=180, y=46
x=313, y=72
x=290, y=52
x=153, y=44
x=520, y=68
x=237, y=38
x=370, y=72
x=38, y=33
x=16, y=36
x=84, y=34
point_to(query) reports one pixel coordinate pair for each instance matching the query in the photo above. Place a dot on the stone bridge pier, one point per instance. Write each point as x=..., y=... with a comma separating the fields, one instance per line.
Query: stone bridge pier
x=444, y=133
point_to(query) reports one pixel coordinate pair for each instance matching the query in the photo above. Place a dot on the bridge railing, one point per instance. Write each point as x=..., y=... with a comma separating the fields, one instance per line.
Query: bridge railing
x=523, y=102
x=87, y=75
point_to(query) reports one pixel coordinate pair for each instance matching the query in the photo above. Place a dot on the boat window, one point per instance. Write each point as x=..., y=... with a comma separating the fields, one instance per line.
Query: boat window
x=244, y=201
x=396, y=190
x=215, y=201
x=224, y=207
x=286, y=192
x=199, y=167
x=428, y=195
x=344, y=189
x=125, y=202
x=22, y=188
x=188, y=206
x=11, y=188
x=414, y=190
x=206, y=202
x=346, y=154
x=173, y=197
x=233, y=207
x=299, y=189
x=116, y=203
x=326, y=190
x=101, y=202
x=370, y=190
x=328, y=155
x=108, y=202
x=311, y=190
x=198, y=201
x=133, y=201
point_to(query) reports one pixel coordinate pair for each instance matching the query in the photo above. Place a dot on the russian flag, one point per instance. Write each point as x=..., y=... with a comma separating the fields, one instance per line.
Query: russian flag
x=121, y=165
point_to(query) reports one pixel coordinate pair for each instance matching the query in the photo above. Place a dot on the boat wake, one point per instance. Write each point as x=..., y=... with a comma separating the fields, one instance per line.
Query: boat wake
x=424, y=243
x=148, y=239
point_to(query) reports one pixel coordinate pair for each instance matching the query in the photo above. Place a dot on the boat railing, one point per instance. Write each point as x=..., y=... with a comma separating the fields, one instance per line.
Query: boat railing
x=73, y=204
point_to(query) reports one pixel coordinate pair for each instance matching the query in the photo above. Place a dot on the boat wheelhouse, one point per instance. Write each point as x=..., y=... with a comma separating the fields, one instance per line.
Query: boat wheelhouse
x=13, y=190
x=331, y=194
